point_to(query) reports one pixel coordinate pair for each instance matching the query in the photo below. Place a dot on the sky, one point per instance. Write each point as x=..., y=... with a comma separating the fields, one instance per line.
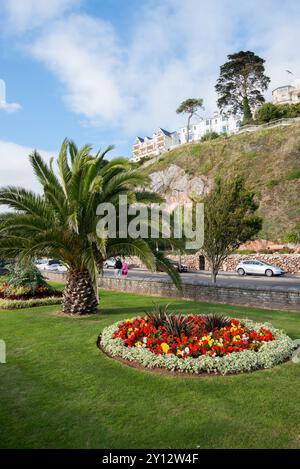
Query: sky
x=104, y=71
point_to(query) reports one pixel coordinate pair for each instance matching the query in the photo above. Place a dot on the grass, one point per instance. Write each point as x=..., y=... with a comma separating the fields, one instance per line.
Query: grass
x=58, y=391
x=293, y=174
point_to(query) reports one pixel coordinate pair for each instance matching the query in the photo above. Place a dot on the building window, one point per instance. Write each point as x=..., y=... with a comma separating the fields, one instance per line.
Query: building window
x=207, y=122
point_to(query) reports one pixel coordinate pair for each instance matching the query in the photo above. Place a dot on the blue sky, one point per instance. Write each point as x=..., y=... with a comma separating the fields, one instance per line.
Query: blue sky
x=103, y=71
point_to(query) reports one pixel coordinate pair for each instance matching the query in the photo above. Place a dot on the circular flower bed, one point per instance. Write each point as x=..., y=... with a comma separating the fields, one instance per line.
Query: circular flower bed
x=197, y=343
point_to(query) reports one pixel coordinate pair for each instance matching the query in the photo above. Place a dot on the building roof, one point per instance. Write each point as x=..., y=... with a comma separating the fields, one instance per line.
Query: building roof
x=140, y=139
x=166, y=132
x=282, y=87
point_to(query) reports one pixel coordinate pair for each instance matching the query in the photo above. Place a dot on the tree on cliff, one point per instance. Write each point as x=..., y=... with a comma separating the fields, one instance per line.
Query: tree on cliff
x=230, y=220
x=241, y=83
x=190, y=107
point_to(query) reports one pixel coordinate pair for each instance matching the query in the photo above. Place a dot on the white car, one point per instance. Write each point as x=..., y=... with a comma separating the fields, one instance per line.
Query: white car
x=57, y=268
x=53, y=266
x=258, y=268
x=110, y=263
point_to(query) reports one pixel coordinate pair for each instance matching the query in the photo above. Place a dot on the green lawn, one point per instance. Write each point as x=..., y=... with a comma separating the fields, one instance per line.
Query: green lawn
x=58, y=391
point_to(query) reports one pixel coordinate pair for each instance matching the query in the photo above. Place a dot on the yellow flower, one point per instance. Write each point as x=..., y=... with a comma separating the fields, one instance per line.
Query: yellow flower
x=180, y=353
x=236, y=338
x=129, y=329
x=138, y=344
x=165, y=347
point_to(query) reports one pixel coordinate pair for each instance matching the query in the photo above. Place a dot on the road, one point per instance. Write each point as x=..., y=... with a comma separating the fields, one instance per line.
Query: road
x=287, y=282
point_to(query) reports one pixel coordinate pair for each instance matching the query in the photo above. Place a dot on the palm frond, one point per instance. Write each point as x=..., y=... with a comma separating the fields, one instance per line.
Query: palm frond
x=162, y=261
x=132, y=247
x=63, y=166
x=23, y=200
x=44, y=173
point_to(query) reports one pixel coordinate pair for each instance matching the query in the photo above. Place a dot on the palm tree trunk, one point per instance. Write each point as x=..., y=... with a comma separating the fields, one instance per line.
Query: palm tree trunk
x=79, y=296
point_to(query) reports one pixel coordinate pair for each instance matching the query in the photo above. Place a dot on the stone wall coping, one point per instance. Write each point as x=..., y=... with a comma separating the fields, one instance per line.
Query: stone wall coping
x=196, y=283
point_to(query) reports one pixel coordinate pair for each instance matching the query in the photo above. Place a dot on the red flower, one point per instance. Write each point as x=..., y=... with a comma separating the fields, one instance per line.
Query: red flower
x=137, y=330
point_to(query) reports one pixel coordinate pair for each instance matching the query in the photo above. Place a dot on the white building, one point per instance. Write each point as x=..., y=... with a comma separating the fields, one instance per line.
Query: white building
x=217, y=123
x=288, y=94
x=161, y=141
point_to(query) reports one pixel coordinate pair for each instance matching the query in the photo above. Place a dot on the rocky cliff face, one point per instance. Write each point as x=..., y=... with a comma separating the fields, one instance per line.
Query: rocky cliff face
x=268, y=159
x=176, y=185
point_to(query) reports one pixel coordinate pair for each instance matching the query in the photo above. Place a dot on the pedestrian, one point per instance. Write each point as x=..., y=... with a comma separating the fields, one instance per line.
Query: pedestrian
x=125, y=269
x=118, y=267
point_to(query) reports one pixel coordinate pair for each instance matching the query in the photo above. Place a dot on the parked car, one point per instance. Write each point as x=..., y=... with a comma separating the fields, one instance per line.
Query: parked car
x=181, y=268
x=258, y=268
x=110, y=263
x=52, y=265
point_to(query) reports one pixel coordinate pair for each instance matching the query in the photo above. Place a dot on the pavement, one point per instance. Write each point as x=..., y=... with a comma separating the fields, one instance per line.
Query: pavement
x=286, y=282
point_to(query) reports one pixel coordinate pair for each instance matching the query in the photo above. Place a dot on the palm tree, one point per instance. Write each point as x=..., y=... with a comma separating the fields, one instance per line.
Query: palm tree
x=61, y=222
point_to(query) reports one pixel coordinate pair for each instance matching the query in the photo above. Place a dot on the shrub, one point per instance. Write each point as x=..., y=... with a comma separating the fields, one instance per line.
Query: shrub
x=27, y=276
x=292, y=237
x=272, y=183
x=174, y=324
x=21, y=304
x=290, y=110
x=213, y=321
x=177, y=325
x=25, y=281
x=159, y=315
x=210, y=136
x=293, y=174
x=245, y=251
x=268, y=112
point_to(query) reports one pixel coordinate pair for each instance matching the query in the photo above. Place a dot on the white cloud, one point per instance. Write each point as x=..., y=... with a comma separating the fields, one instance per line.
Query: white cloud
x=4, y=105
x=84, y=54
x=137, y=87
x=279, y=42
x=15, y=166
x=173, y=51
x=28, y=14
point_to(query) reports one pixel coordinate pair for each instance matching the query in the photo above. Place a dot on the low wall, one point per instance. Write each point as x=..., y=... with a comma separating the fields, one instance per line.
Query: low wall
x=289, y=262
x=260, y=297
x=269, y=125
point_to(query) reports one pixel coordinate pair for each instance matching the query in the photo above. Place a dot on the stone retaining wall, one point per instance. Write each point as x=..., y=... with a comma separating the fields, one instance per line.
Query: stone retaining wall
x=289, y=262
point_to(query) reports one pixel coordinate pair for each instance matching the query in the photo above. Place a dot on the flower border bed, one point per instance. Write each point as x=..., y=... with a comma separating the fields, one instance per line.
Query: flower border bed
x=269, y=355
x=30, y=303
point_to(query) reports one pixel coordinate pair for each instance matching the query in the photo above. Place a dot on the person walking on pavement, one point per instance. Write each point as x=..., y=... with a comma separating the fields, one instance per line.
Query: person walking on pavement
x=125, y=269
x=118, y=267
